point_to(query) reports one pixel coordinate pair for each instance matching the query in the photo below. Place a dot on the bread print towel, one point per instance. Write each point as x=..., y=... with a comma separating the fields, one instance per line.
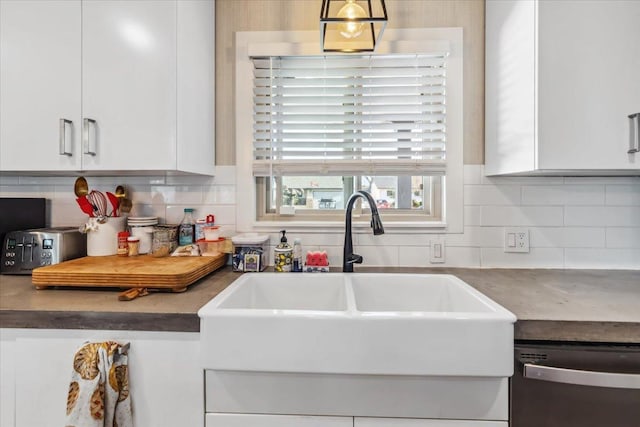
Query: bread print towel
x=99, y=389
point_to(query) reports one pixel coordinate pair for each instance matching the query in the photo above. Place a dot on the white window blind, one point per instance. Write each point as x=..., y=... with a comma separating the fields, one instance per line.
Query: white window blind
x=349, y=115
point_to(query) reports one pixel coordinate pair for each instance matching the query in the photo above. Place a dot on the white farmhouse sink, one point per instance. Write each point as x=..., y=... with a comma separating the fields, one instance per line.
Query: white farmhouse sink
x=356, y=323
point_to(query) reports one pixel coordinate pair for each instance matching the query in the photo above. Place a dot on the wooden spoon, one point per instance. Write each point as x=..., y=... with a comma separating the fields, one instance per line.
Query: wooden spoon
x=125, y=205
x=80, y=187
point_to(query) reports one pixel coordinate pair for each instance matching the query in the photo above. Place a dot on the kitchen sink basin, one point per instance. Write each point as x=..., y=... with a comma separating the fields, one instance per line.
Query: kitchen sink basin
x=356, y=323
x=315, y=293
x=417, y=294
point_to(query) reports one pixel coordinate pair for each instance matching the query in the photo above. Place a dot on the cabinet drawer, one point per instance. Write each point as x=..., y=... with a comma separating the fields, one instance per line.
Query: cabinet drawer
x=406, y=422
x=258, y=420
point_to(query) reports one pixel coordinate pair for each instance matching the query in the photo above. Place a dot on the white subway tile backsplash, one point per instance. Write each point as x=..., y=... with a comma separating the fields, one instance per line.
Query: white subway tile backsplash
x=141, y=209
x=602, y=258
x=543, y=195
x=524, y=180
x=31, y=190
x=225, y=175
x=573, y=222
x=460, y=257
x=621, y=216
x=623, y=195
x=378, y=255
x=472, y=174
x=415, y=256
x=189, y=180
x=536, y=258
x=454, y=257
x=219, y=195
x=319, y=241
x=567, y=237
x=490, y=237
x=178, y=194
x=605, y=180
x=64, y=213
x=472, y=215
x=389, y=239
x=491, y=195
x=521, y=215
x=623, y=237
x=47, y=180
x=548, y=195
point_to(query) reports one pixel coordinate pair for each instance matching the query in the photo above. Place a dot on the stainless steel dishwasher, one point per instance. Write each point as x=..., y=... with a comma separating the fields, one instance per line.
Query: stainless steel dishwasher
x=575, y=385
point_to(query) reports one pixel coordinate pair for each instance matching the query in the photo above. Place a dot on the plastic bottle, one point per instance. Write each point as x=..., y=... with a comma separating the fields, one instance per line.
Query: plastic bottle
x=297, y=256
x=186, y=231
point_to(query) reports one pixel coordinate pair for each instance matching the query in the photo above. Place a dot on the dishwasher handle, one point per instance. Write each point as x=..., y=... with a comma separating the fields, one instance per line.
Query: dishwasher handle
x=579, y=377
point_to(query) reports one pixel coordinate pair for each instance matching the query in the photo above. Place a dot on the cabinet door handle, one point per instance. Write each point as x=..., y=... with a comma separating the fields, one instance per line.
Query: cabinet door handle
x=63, y=137
x=634, y=133
x=89, y=143
x=587, y=378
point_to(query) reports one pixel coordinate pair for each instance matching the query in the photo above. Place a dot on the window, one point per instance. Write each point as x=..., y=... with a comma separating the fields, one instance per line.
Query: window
x=324, y=126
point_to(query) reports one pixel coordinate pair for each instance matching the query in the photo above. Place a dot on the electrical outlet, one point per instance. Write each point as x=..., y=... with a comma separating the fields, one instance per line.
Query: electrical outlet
x=436, y=254
x=516, y=239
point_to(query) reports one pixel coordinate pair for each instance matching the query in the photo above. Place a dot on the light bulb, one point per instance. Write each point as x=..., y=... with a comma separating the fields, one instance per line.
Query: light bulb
x=351, y=10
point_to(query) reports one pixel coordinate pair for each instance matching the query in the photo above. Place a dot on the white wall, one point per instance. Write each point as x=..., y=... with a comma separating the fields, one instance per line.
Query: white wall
x=573, y=222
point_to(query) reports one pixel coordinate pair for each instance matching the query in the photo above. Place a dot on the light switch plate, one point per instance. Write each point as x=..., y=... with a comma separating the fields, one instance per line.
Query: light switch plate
x=437, y=252
x=516, y=239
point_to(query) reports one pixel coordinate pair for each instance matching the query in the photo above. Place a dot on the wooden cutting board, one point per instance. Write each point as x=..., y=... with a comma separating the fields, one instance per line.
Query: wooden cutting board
x=174, y=273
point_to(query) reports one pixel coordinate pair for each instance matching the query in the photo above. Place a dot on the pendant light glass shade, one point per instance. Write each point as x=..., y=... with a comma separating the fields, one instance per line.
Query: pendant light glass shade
x=352, y=25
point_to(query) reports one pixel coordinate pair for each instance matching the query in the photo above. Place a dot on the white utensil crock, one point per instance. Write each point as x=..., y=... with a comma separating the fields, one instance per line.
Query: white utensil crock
x=104, y=240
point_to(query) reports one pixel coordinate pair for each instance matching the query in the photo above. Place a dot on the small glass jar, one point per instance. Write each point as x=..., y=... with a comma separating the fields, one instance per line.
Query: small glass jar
x=161, y=246
x=134, y=245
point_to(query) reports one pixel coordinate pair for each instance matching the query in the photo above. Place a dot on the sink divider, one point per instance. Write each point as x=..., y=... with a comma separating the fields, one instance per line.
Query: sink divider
x=350, y=295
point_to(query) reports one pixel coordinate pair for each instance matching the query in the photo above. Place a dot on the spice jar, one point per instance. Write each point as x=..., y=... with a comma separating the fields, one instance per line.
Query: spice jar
x=161, y=245
x=123, y=247
x=134, y=245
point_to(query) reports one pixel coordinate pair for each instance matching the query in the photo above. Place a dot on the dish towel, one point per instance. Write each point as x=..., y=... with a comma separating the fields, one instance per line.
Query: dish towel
x=99, y=389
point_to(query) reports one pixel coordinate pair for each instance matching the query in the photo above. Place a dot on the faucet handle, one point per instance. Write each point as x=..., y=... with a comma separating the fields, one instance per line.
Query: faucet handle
x=354, y=259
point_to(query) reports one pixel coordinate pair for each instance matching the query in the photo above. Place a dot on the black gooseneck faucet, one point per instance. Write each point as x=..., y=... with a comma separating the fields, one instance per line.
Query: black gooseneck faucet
x=349, y=258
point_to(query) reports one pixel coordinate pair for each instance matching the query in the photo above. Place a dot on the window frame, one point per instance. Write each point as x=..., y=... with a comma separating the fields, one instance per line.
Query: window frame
x=283, y=43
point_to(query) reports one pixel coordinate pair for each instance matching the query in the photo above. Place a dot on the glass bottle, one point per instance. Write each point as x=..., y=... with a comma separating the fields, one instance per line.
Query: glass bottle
x=186, y=231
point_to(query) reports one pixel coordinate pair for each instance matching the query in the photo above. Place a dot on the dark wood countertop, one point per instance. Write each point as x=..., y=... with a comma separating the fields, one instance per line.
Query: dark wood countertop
x=551, y=305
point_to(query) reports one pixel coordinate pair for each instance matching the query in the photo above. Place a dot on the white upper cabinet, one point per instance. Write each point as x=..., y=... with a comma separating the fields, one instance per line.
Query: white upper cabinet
x=129, y=84
x=561, y=83
x=40, y=86
x=140, y=74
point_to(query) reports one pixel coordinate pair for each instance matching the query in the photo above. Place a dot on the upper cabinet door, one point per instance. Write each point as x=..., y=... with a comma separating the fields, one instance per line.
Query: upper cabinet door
x=589, y=83
x=40, y=86
x=561, y=83
x=129, y=85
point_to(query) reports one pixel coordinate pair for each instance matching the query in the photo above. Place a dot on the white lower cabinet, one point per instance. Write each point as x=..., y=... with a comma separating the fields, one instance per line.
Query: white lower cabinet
x=165, y=380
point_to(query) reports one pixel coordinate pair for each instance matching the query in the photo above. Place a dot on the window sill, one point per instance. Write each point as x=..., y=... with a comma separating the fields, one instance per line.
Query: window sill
x=357, y=226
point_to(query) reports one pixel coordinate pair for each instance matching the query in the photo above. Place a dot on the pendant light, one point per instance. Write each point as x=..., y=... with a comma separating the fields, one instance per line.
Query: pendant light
x=352, y=25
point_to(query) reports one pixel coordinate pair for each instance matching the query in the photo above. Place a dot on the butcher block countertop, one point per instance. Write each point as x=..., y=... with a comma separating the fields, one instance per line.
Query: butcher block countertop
x=556, y=305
